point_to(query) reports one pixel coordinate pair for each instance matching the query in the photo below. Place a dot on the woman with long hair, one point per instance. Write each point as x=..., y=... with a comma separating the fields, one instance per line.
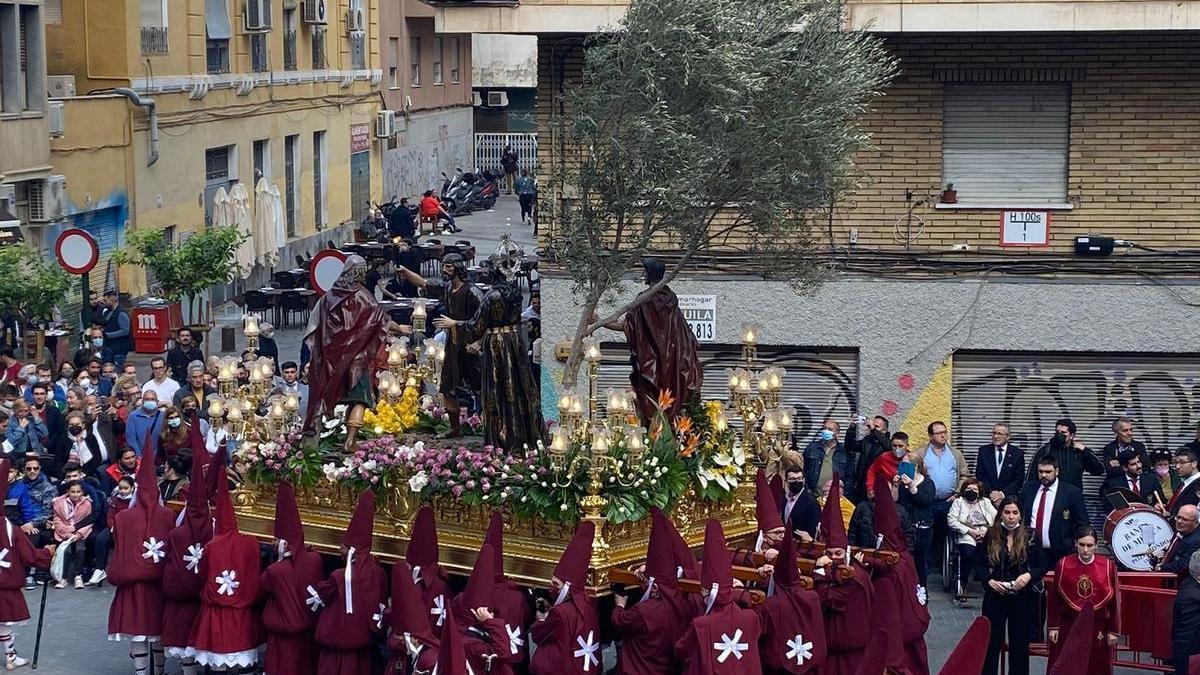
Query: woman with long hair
x=1013, y=567
x=916, y=494
x=174, y=437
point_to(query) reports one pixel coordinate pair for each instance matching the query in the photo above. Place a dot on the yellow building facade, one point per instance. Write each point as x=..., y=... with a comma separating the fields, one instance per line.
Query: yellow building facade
x=166, y=102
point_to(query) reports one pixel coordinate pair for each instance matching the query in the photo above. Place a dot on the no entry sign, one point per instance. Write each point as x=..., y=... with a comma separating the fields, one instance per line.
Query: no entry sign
x=325, y=269
x=76, y=251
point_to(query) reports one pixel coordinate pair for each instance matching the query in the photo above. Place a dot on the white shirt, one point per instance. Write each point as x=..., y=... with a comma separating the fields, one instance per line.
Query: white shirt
x=1044, y=534
x=165, y=389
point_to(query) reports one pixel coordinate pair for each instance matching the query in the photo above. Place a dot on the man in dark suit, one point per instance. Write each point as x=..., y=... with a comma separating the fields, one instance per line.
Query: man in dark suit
x=800, y=510
x=1133, y=479
x=1188, y=465
x=1054, y=510
x=1185, y=543
x=1185, y=626
x=1121, y=445
x=1000, y=465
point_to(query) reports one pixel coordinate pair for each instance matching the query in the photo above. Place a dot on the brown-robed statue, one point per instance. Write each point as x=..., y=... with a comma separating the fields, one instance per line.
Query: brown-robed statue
x=662, y=348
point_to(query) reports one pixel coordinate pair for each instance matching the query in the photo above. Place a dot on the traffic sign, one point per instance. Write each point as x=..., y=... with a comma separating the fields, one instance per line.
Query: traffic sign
x=325, y=268
x=76, y=251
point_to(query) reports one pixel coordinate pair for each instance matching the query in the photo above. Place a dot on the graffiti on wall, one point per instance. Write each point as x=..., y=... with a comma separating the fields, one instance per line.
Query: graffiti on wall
x=410, y=170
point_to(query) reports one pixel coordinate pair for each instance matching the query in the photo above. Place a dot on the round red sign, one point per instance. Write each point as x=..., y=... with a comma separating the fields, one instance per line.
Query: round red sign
x=76, y=251
x=325, y=269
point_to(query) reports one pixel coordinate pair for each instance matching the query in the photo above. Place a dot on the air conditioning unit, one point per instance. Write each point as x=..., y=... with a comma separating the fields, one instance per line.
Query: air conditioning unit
x=476, y=99
x=60, y=86
x=356, y=20
x=497, y=99
x=48, y=199
x=56, y=119
x=385, y=124
x=257, y=16
x=315, y=12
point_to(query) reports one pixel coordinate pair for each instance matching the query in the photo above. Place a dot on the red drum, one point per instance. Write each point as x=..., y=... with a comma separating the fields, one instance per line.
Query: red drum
x=1138, y=536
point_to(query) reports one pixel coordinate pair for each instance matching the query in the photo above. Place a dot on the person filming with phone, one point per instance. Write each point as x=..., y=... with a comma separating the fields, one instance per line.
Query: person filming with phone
x=917, y=494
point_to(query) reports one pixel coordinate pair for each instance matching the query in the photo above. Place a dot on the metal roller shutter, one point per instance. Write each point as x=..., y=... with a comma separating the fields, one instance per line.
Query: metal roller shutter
x=1006, y=142
x=1030, y=390
x=107, y=227
x=819, y=384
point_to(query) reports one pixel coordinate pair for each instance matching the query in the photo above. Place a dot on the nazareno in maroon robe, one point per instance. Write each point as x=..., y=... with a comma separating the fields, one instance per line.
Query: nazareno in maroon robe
x=141, y=536
x=793, y=628
x=650, y=628
x=571, y=624
x=351, y=624
x=899, y=602
x=511, y=602
x=486, y=642
x=724, y=640
x=422, y=556
x=846, y=605
x=15, y=548
x=412, y=643
x=292, y=602
x=181, y=573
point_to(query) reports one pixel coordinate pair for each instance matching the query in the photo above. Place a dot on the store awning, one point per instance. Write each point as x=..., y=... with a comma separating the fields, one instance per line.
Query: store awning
x=10, y=228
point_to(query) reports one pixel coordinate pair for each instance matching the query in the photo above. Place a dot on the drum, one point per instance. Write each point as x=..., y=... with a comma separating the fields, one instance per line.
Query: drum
x=1138, y=536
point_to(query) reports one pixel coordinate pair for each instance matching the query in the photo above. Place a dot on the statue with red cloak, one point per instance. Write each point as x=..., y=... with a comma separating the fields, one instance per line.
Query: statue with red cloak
x=662, y=348
x=346, y=332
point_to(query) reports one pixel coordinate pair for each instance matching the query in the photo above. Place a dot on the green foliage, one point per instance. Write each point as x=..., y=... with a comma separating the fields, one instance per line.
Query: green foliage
x=30, y=286
x=206, y=258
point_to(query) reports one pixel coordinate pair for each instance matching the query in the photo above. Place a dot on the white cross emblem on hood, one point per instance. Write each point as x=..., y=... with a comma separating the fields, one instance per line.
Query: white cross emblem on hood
x=730, y=645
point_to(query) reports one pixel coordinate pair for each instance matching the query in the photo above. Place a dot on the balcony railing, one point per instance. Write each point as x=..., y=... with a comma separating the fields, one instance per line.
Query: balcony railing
x=289, y=50
x=154, y=40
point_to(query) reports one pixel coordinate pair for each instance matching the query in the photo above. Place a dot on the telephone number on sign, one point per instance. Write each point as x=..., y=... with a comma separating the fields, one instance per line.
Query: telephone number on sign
x=703, y=331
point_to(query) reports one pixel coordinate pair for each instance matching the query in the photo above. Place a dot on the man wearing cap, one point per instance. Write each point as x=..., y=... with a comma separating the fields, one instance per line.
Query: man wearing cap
x=460, y=301
x=650, y=628
x=351, y=623
x=290, y=585
x=724, y=640
x=567, y=633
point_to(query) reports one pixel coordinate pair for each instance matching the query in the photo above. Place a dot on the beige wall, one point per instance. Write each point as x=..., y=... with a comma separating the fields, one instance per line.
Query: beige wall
x=411, y=18
x=23, y=147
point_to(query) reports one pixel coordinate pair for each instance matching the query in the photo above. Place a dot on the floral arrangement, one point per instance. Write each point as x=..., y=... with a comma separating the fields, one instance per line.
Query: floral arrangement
x=697, y=452
x=394, y=418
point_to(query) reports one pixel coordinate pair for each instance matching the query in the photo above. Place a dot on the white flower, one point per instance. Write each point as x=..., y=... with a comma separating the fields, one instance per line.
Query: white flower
x=703, y=475
x=405, y=452
x=418, y=481
x=370, y=465
x=563, y=507
x=524, y=499
x=418, y=446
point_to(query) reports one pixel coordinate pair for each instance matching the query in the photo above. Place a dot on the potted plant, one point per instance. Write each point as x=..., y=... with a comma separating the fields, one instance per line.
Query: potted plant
x=30, y=288
x=949, y=195
x=187, y=269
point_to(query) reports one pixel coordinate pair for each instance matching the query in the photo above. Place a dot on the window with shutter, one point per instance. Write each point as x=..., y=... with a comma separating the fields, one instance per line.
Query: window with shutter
x=1006, y=144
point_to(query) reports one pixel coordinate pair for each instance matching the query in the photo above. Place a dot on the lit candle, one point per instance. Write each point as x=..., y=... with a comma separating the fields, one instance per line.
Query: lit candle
x=292, y=403
x=215, y=409
x=769, y=424
x=558, y=440
x=564, y=404
x=235, y=413
x=418, y=309
x=277, y=411
x=615, y=401
x=251, y=329
x=744, y=383
x=255, y=375
x=591, y=350
x=268, y=368
x=785, y=420
x=750, y=334
x=634, y=441
x=394, y=358
x=600, y=439
x=764, y=382
x=576, y=404
x=733, y=378
x=246, y=406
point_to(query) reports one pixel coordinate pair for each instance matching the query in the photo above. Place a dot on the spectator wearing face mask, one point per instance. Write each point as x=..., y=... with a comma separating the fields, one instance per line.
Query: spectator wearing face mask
x=266, y=343
x=824, y=456
x=92, y=348
x=173, y=439
x=971, y=514
x=144, y=423
x=55, y=393
x=800, y=510
x=885, y=466
x=66, y=378
x=26, y=434
x=1070, y=455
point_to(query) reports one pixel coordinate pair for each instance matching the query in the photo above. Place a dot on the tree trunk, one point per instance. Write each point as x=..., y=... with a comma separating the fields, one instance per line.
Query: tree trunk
x=571, y=371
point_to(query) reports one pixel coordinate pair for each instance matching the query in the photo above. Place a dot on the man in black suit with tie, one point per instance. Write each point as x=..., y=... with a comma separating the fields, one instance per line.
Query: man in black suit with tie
x=1134, y=479
x=1185, y=543
x=1054, y=510
x=1189, y=472
x=800, y=510
x=1000, y=465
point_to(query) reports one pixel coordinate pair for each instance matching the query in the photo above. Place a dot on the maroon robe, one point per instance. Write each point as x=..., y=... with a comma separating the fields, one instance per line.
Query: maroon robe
x=141, y=535
x=899, y=602
x=345, y=334
x=348, y=629
x=663, y=350
x=182, y=580
x=1077, y=584
x=16, y=549
x=412, y=643
x=571, y=624
x=428, y=575
x=290, y=612
x=793, y=630
x=846, y=605
x=511, y=601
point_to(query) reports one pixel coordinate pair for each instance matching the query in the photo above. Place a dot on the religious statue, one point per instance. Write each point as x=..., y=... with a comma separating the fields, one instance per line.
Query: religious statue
x=345, y=333
x=512, y=412
x=662, y=348
x=460, y=301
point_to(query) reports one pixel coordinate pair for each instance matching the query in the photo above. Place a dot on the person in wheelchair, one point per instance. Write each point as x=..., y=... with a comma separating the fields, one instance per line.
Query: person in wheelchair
x=971, y=514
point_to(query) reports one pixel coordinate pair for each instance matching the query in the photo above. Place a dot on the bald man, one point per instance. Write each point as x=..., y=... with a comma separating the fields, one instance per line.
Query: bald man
x=1185, y=543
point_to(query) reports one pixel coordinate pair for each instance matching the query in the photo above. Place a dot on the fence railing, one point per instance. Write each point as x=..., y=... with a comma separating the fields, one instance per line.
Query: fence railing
x=154, y=40
x=489, y=147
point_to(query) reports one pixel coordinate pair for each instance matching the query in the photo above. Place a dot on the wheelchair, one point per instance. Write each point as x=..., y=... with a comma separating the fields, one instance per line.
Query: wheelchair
x=950, y=565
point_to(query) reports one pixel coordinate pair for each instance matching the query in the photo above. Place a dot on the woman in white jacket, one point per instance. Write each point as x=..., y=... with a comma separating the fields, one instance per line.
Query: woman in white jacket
x=970, y=515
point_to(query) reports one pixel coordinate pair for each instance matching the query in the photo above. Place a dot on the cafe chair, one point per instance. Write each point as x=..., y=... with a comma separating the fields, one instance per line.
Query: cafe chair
x=256, y=302
x=293, y=302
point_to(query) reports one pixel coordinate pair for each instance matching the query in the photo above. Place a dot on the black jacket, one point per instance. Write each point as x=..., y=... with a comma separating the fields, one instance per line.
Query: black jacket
x=862, y=525
x=1188, y=494
x=1185, y=626
x=1178, y=564
x=178, y=359
x=1009, y=478
x=1110, y=454
x=1071, y=464
x=862, y=453
x=919, y=505
x=805, y=514
x=1068, y=515
x=1007, y=570
x=1147, y=486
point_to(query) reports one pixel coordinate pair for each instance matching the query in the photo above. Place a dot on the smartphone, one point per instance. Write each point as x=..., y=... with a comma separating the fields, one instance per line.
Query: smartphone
x=104, y=403
x=908, y=469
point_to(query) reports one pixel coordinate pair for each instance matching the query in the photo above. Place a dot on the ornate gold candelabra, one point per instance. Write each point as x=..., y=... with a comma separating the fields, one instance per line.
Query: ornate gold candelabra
x=240, y=404
x=754, y=394
x=412, y=368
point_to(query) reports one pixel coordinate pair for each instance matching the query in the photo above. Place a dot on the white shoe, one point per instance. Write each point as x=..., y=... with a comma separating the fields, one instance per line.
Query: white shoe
x=78, y=581
x=15, y=661
x=61, y=584
x=97, y=577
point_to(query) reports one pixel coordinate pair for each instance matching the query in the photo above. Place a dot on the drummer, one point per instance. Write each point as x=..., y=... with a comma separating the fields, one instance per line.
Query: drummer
x=1134, y=484
x=1184, y=544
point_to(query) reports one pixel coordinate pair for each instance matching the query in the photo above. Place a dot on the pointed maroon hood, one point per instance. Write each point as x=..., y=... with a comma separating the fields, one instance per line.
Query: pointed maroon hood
x=495, y=539
x=887, y=519
x=288, y=528
x=1076, y=654
x=423, y=543
x=660, y=555
x=360, y=532
x=6, y=468
x=408, y=613
x=717, y=566
x=786, y=574
x=196, y=511
x=875, y=656
x=482, y=582
x=833, y=528
x=226, y=518
x=682, y=552
x=573, y=565
x=967, y=657
x=766, y=509
x=452, y=653
x=776, y=485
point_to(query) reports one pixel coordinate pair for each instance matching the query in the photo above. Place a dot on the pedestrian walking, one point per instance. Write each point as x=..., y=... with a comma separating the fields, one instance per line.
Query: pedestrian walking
x=526, y=188
x=508, y=162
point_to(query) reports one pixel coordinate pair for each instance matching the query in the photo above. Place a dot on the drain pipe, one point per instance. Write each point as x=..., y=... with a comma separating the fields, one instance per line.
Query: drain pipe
x=151, y=113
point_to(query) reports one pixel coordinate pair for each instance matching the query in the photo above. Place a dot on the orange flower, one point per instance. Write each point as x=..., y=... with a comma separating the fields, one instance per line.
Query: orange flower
x=690, y=447
x=665, y=399
x=683, y=425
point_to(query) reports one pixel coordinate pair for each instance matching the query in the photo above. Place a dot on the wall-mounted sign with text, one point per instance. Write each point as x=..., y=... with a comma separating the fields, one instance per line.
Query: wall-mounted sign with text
x=1024, y=228
x=700, y=311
